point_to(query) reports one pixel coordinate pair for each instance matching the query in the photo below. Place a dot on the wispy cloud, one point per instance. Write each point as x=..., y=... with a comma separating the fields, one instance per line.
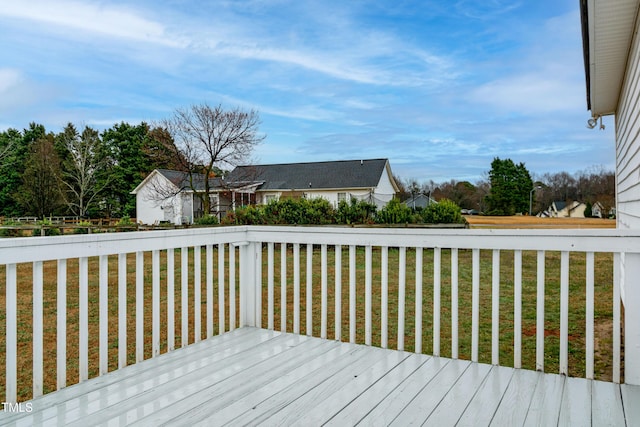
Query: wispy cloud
x=100, y=18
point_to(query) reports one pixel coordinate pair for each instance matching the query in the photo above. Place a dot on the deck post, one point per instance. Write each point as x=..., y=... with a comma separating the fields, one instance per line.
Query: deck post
x=247, y=283
x=631, y=300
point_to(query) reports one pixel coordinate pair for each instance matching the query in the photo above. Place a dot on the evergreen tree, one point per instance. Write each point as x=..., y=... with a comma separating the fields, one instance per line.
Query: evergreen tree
x=511, y=185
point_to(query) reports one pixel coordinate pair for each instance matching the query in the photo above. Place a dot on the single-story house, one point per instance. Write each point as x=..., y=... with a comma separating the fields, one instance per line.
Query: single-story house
x=171, y=196
x=560, y=209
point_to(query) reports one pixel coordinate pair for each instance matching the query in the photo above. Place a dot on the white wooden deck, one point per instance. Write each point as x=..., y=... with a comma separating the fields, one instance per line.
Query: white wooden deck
x=255, y=376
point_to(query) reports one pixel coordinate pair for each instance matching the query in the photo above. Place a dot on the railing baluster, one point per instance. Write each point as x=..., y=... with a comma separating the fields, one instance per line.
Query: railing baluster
x=437, y=257
x=352, y=293
x=11, y=340
x=564, y=313
x=517, y=308
x=495, y=308
x=475, y=303
x=589, y=352
x=122, y=310
x=296, y=288
x=283, y=287
x=197, y=293
x=184, y=291
x=155, y=303
x=258, y=283
x=232, y=287
x=619, y=259
x=209, y=289
x=454, y=303
x=323, y=291
x=402, y=274
x=139, y=306
x=221, y=302
x=418, y=347
x=83, y=351
x=171, y=310
x=338, y=292
x=37, y=329
x=540, y=311
x=270, y=285
x=104, y=314
x=367, y=294
x=384, y=298
x=309, y=295
x=61, y=351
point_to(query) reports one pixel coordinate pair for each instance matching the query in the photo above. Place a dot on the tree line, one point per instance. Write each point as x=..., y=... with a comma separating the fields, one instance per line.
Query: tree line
x=79, y=172
x=87, y=173
x=509, y=188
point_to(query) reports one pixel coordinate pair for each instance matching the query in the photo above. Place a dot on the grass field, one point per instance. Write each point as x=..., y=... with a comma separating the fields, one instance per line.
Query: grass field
x=603, y=309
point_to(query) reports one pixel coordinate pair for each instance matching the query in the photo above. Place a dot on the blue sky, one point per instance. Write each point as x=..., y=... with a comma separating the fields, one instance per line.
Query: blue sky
x=438, y=87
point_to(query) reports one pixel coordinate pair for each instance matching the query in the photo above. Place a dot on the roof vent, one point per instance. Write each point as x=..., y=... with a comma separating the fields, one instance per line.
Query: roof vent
x=361, y=162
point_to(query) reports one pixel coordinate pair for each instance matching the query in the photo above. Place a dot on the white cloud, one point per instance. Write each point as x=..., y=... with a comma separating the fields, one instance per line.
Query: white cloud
x=100, y=18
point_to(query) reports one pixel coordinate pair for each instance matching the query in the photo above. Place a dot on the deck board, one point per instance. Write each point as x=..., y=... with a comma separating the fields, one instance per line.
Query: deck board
x=254, y=376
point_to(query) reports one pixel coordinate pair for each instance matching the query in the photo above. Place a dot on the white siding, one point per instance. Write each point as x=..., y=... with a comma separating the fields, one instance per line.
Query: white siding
x=150, y=209
x=628, y=144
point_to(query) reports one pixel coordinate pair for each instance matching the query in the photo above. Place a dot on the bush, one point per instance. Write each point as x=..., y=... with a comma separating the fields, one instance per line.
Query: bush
x=48, y=231
x=125, y=220
x=207, y=220
x=443, y=212
x=355, y=212
x=395, y=213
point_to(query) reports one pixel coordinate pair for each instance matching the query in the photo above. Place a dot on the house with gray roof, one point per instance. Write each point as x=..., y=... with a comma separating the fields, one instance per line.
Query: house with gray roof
x=172, y=196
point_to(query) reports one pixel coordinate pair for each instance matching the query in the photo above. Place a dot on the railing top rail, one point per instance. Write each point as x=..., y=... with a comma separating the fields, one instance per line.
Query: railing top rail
x=588, y=240
x=28, y=249
x=16, y=250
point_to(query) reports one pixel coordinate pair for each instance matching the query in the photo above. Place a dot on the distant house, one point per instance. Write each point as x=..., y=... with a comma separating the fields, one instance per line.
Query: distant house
x=170, y=196
x=419, y=201
x=369, y=180
x=560, y=209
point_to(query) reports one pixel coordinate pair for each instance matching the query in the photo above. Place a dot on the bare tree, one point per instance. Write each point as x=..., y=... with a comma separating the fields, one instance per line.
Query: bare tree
x=212, y=137
x=84, y=161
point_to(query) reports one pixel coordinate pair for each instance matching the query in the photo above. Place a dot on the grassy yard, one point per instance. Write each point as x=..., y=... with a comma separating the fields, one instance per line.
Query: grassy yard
x=603, y=308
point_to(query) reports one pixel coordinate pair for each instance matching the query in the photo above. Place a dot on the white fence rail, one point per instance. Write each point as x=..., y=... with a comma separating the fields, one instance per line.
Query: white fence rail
x=456, y=293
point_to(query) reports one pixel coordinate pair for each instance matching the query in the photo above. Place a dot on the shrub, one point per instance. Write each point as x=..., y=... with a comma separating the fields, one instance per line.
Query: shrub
x=355, y=212
x=207, y=220
x=443, y=212
x=81, y=228
x=395, y=213
x=125, y=220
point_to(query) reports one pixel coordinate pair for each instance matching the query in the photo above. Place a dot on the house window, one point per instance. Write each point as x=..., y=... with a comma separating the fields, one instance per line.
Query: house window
x=213, y=202
x=342, y=197
x=269, y=198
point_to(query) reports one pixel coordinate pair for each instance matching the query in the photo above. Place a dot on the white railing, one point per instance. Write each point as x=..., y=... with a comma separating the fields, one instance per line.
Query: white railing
x=463, y=293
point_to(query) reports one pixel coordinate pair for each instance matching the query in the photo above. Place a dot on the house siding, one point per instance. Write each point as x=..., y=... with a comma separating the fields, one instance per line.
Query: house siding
x=628, y=144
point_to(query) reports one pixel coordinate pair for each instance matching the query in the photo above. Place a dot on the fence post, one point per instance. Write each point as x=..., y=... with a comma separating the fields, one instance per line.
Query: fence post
x=631, y=300
x=247, y=283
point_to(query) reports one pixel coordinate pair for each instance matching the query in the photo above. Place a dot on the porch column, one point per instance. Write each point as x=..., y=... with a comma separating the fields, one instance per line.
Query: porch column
x=631, y=299
x=248, y=283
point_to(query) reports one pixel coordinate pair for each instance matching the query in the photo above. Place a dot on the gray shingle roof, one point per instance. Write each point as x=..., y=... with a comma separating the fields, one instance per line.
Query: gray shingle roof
x=318, y=175
x=181, y=180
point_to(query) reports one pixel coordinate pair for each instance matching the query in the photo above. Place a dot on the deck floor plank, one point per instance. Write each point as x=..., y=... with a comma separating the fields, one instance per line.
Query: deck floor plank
x=576, y=403
x=358, y=408
x=387, y=410
x=606, y=404
x=545, y=403
x=253, y=376
x=514, y=405
x=484, y=404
